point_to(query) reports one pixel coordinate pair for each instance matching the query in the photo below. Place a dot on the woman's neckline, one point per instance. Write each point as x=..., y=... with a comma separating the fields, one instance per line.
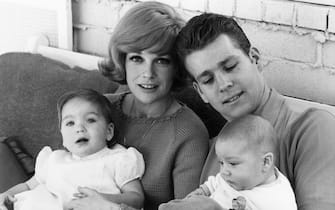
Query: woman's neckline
x=166, y=116
x=161, y=110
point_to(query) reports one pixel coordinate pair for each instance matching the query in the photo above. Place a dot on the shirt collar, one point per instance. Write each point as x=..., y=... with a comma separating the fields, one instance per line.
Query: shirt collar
x=98, y=154
x=270, y=106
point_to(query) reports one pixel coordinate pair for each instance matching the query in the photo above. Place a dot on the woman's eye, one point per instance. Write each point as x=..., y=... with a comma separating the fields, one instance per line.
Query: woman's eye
x=136, y=59
x=164, y=61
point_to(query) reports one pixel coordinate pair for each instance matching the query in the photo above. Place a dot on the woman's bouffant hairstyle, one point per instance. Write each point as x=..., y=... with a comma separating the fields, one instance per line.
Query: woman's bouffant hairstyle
x=150, y=26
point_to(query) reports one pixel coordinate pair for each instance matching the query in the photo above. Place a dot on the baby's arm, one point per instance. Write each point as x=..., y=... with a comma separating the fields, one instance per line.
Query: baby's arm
x=8, y=196
x=202, y=190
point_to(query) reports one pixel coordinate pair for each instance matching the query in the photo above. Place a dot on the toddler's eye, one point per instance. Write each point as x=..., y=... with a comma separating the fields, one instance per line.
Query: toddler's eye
x=91, y=120
x=69, y=123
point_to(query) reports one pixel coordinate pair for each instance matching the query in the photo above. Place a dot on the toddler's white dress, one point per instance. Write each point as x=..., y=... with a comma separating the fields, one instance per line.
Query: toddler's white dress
x=60, y=174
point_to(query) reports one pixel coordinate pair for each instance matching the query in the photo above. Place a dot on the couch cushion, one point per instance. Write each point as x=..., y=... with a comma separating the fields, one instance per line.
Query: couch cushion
x=30, y=85
x=26, y=160
x=11, y=170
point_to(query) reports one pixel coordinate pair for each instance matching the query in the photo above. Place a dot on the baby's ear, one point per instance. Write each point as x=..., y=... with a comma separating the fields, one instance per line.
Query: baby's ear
x=268, y=159
x=110, y=131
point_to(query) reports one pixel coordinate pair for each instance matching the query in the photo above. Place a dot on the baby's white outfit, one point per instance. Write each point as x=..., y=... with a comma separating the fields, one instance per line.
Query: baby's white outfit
x=277, y=195
x=60, y=174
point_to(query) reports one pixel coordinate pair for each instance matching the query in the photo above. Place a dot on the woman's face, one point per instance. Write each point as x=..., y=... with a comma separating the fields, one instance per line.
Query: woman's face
x=149, y=75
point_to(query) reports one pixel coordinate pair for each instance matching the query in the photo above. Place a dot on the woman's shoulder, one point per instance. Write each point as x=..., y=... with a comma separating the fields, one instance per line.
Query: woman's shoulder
x=187, y=117
x=189, y=125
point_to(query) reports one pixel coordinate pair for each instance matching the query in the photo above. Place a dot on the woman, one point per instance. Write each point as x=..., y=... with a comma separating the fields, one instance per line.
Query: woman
x=172, y=139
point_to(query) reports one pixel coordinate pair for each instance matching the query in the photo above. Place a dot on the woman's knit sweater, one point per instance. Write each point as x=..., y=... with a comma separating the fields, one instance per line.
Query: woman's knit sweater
x=174, y=149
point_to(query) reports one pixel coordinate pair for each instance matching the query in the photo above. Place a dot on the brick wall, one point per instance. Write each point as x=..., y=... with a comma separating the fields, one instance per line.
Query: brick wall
x=296, y=38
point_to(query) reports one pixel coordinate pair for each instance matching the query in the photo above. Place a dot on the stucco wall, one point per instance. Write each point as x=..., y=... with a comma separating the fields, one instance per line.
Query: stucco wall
x=296, y=38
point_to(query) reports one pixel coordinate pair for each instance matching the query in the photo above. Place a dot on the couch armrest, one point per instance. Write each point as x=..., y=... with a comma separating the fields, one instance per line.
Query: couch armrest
x=11, y=172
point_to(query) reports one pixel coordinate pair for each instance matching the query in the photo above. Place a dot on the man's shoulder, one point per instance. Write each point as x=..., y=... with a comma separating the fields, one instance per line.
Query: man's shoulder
x=313, y=125
x=314, y=116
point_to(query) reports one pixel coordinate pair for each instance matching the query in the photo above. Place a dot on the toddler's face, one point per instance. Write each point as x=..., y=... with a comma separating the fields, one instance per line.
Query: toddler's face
x=84, y=129
x=240, y=166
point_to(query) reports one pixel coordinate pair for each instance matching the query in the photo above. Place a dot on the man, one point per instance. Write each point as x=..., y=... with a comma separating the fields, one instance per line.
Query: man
x=224, y=67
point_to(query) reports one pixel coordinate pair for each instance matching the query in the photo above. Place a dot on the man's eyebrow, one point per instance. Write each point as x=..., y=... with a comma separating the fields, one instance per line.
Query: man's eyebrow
x=203, y=74
x=225, y=61
x=219, y=64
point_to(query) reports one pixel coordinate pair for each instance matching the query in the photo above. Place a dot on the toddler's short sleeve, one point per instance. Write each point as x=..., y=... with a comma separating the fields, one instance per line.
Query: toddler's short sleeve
x=41, y=166
x=129, y=166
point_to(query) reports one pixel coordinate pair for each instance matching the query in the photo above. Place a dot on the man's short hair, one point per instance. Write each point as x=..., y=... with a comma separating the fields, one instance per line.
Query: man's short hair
x=203, y=29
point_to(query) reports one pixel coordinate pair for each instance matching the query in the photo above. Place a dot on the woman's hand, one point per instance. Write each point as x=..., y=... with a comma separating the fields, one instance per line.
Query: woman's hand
x=88, y=199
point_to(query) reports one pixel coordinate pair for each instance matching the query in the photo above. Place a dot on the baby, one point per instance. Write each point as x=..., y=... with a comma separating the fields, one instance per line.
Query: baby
x=248, y=178
x=86, y=162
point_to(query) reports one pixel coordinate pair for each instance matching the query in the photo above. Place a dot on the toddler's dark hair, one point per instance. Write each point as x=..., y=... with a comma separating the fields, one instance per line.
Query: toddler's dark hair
x=90, y=95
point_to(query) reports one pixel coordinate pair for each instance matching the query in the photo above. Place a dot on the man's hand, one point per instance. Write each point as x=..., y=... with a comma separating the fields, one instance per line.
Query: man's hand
x=6, y=201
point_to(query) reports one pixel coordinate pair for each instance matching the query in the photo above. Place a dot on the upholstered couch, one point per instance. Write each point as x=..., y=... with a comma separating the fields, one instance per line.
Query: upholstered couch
x=30, y=85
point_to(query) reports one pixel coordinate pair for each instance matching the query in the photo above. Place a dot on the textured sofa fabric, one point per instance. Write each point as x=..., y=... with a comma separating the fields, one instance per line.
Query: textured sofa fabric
x=29, y=88
x=11, y=171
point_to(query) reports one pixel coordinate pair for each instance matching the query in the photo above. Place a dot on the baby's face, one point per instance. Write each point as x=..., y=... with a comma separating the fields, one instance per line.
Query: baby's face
x=240, y=166
x=83, y=127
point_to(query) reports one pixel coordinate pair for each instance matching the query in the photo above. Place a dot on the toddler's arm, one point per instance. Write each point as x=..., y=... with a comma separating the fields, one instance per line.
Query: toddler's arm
x=131, y=195
x=8, y=196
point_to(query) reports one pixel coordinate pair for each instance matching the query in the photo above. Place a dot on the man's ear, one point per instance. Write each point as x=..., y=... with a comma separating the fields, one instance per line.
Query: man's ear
x=110, y=131
x=254, y=55
x=198, y=89
x=268, y=159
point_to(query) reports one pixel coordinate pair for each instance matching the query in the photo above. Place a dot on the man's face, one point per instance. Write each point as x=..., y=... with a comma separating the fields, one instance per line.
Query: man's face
x=226, y=77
